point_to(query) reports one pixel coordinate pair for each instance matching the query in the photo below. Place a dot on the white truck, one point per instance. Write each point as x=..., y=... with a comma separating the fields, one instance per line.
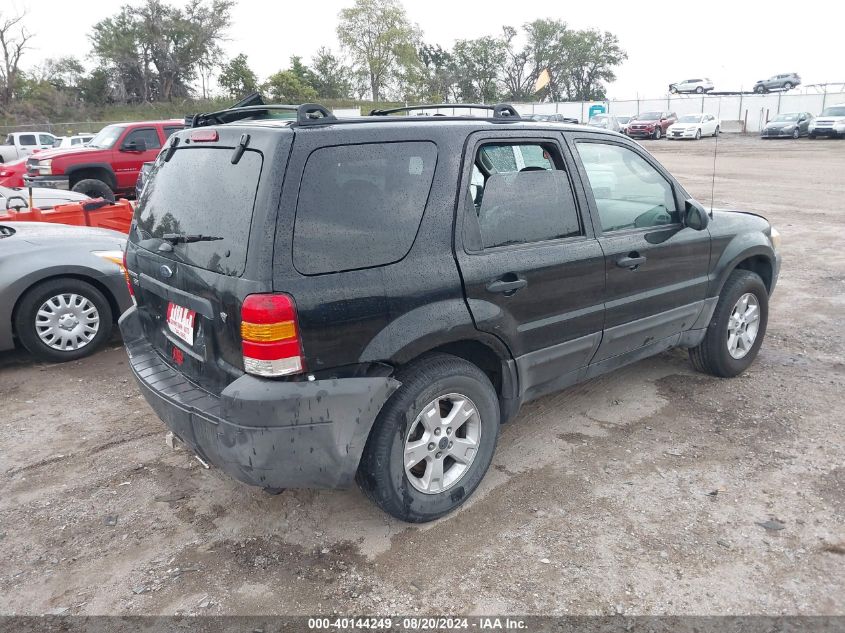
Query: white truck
x=22, y=144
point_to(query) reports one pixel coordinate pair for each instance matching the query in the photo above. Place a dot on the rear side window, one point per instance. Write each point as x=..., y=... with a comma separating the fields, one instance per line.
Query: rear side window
x=199, y=192
x=27, y=139
x=361, y=205
x=520, y=195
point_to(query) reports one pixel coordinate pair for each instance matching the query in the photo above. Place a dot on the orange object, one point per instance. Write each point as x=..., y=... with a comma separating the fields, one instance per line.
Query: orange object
x=97, y=213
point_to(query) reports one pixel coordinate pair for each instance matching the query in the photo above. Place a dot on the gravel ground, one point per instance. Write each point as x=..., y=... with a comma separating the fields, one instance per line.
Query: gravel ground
x=641, y=492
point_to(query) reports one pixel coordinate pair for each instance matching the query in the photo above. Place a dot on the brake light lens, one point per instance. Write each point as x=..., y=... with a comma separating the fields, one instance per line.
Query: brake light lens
x=270, y=336
x=204, y=136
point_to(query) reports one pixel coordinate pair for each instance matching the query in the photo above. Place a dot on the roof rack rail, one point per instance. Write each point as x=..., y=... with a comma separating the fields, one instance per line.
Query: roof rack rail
x=500, y=110
x=306, y=113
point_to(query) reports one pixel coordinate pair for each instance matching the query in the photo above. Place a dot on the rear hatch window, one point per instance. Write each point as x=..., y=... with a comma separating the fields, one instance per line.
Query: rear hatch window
x=211, y=214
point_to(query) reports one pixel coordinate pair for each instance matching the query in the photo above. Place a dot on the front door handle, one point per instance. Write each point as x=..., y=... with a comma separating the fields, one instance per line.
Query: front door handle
x=632, y=261
x=507, y=285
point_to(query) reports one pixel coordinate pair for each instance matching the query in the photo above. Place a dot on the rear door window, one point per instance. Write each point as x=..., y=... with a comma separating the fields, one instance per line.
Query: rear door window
x=28, y=139
x=199, y=192
x=361, y=205
x=521, y=195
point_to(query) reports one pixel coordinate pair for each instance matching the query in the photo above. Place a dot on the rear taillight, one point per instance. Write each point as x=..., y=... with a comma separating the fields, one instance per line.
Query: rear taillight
x=270, y=336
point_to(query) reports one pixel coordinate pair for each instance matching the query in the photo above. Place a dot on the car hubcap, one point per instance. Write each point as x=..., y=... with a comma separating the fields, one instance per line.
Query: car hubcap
x=442, y=443
x=67, y=322
x=743, y=325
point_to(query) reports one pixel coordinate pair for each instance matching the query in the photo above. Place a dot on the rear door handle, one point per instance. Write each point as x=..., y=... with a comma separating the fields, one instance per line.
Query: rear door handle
x=633, y=261
x=507, y=285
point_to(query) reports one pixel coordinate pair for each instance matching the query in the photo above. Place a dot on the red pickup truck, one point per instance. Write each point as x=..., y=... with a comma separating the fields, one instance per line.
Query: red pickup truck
x=108, y=165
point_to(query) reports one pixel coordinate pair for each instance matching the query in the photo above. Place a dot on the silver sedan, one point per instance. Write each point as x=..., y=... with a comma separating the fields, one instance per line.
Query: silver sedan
x=61, y=288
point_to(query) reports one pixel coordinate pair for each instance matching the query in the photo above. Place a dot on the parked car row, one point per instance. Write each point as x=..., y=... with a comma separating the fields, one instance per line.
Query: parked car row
x=785, y=81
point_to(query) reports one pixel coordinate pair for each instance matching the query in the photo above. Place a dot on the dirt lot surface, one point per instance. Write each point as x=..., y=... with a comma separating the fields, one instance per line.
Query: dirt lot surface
x=641, y=492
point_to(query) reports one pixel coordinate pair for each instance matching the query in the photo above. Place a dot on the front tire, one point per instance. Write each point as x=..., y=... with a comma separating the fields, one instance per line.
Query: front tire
x=737, y=328
x=658, y=132
x=717, y=132
x=94, y=188
x=759, y=90
x=433, y=441
x=796, y=134
x=63, y=319
x=698, y=135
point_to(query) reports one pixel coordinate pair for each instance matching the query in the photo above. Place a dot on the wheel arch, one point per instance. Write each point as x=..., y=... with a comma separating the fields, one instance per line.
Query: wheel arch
x=97, y=171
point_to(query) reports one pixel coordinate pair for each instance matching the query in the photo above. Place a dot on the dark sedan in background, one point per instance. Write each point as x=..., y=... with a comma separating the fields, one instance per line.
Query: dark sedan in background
x=788, y=125
x=62, y=288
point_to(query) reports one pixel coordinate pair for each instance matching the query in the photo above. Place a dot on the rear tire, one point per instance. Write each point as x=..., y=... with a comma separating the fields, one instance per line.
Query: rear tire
x=713, y=355
x=787, y=86
x=431, y=389
x=94, y=188
x=52, y=307
x=699, y=90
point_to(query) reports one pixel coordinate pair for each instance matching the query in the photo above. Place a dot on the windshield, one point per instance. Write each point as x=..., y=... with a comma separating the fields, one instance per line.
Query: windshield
x=690, y=118
x=107, y=137
x=834, y=111
x=624, y=119
x=648, y=116
x=783, y=118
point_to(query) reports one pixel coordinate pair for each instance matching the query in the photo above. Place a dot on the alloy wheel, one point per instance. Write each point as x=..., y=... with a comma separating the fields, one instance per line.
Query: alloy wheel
x=743, y=325
x=442, y=443
x=67, y=322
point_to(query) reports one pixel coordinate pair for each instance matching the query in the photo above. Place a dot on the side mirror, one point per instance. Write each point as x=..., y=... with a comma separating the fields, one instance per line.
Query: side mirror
x=139, y=145
x=695, y=216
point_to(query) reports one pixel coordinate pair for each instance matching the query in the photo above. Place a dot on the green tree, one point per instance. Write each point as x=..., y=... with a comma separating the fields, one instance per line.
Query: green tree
x=237, y=78
x=330, y=76
x=13, y=42
x=477, y=64
x=380, y=40
x=591, y=57
x=545, y=46
x=437, y=74
x=155, y=50
x=285, y=87
x=518, y=74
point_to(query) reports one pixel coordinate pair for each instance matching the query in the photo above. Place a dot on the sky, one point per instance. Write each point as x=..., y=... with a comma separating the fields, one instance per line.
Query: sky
x=733, y=43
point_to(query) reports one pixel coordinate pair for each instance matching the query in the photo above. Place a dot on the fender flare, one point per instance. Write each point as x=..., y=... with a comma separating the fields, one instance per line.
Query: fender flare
x=740, y=248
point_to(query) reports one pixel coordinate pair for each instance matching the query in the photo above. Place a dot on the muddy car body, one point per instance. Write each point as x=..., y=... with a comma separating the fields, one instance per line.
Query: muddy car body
x=324, y=301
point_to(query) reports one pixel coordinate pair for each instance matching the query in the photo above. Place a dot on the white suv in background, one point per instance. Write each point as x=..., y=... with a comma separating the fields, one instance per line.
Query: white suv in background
x=21, y=144
x=831, y=122
x=699, y=86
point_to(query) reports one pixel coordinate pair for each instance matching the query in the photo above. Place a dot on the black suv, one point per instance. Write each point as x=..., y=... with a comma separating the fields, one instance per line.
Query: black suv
x=322, y=300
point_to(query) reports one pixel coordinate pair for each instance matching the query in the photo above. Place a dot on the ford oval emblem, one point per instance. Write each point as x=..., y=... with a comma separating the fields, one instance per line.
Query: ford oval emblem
x=165, y=271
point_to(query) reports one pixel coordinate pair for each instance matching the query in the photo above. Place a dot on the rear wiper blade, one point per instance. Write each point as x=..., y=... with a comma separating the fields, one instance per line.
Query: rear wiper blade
x=184, y=238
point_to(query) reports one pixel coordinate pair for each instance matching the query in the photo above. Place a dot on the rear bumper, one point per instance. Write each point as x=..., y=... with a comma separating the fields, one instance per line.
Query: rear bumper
x=262, y=432
x=52, y=182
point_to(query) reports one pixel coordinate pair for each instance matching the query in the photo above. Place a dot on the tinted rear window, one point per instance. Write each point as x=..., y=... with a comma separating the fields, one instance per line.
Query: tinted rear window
x=361, y=205
x=200, y=192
